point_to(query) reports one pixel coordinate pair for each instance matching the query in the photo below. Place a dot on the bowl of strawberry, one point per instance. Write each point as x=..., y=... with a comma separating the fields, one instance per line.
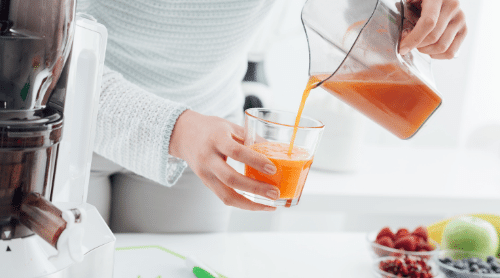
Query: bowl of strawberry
x=405, y=266
x=402, y=242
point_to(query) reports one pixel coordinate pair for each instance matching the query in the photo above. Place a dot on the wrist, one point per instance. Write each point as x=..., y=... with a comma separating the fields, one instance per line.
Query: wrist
x=181, y=129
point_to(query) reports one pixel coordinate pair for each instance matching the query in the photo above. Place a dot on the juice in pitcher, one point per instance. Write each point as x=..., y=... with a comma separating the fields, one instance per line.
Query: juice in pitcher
x=396, y=100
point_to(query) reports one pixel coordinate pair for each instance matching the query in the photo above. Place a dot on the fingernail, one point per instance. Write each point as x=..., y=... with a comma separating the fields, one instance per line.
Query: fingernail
x=270, y=169
x=273, y=194
x=269, y=209
x=404, y=50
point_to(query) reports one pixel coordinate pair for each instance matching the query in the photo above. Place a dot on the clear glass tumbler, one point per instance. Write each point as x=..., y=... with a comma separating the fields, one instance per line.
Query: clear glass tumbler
x=269, y=132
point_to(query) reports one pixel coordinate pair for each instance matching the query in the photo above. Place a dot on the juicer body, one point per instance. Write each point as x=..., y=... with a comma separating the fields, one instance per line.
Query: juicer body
x=48, y=109
x=36, y=38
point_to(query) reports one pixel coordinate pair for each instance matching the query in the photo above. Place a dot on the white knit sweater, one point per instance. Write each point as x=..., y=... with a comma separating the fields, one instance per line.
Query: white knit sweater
x=165, y=56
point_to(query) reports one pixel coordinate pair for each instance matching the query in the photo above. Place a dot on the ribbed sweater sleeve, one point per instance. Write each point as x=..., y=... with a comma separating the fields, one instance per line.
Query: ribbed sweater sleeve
x=134, y=129
x=161, y=57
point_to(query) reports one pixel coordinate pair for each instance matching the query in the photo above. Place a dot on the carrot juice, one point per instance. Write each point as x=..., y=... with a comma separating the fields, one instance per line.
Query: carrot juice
x=396, y=100
x=292, y=162
x=292, y=169
x=311, y=84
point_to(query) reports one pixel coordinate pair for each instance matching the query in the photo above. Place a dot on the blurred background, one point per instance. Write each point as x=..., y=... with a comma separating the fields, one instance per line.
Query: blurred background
x=371, y=178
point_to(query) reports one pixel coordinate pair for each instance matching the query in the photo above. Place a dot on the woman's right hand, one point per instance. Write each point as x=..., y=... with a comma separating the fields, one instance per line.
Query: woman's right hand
x=205, y=142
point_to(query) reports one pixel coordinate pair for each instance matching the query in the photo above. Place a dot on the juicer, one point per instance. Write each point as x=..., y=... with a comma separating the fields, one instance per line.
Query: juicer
x=51, y=63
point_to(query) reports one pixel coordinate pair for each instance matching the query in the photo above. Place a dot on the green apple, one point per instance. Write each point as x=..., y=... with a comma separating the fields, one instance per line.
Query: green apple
x=471, y=234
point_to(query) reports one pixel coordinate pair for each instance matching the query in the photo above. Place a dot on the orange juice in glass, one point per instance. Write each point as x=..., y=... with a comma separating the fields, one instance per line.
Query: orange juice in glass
x=270, y=132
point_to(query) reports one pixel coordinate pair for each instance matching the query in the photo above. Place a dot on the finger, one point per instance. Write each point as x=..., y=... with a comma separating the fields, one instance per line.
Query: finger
x=248, y=156
x=238, y=139
x=442, y=45
x=455, y=45
x=405, y=33
x=233, y=179
x=237, y=130
x=231, y=198
x=258, y=139
x=425, y=24
x=448, y=12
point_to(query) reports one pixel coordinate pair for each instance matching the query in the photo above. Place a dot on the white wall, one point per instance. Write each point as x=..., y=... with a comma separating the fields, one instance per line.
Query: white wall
x=481, y=117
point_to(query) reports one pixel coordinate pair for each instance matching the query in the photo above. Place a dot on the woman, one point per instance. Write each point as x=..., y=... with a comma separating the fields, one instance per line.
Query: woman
x=171, y=98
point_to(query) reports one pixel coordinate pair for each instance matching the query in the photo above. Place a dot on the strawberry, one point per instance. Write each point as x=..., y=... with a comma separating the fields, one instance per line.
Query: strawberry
x=408, y=243
x=423, y=247
x=401, y=233
x=386, y=231
x=421, y=231
x=385, y=241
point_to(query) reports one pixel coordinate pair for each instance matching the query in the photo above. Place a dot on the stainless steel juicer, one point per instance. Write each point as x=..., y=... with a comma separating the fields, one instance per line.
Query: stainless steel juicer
x=51, y=63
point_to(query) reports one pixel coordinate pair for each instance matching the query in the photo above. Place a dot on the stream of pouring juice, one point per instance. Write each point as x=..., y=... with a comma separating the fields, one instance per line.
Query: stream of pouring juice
x=292, y=162
x=311, y=84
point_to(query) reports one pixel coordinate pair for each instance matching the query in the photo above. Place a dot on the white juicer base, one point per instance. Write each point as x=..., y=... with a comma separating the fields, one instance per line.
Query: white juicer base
x=29, y=257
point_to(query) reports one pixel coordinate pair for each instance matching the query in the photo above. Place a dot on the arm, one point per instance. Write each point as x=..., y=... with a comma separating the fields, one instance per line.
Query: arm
x=155, y=137
x=134, y=129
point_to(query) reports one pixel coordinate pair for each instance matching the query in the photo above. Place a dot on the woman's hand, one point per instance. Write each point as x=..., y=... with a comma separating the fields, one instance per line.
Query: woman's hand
x=439, y=31
x=205, y=142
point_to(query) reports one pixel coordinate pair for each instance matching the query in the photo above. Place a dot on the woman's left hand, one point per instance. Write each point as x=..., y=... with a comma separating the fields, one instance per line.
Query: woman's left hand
x=439, y=31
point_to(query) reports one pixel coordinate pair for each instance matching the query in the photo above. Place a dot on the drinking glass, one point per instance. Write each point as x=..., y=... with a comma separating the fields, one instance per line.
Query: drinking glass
x=269, y=132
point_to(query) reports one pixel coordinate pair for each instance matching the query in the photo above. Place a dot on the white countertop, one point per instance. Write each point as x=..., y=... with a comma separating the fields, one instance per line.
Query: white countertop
x=262, y=255
x=446, y=181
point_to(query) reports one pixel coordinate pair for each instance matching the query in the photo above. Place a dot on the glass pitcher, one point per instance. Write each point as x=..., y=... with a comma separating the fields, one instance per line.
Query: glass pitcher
x=353, y=54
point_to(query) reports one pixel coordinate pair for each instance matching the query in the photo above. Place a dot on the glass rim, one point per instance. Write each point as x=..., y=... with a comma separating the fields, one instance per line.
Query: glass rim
x=321, y=125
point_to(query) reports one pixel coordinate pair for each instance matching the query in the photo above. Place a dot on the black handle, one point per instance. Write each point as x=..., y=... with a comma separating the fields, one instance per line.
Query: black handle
x=5, y=23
